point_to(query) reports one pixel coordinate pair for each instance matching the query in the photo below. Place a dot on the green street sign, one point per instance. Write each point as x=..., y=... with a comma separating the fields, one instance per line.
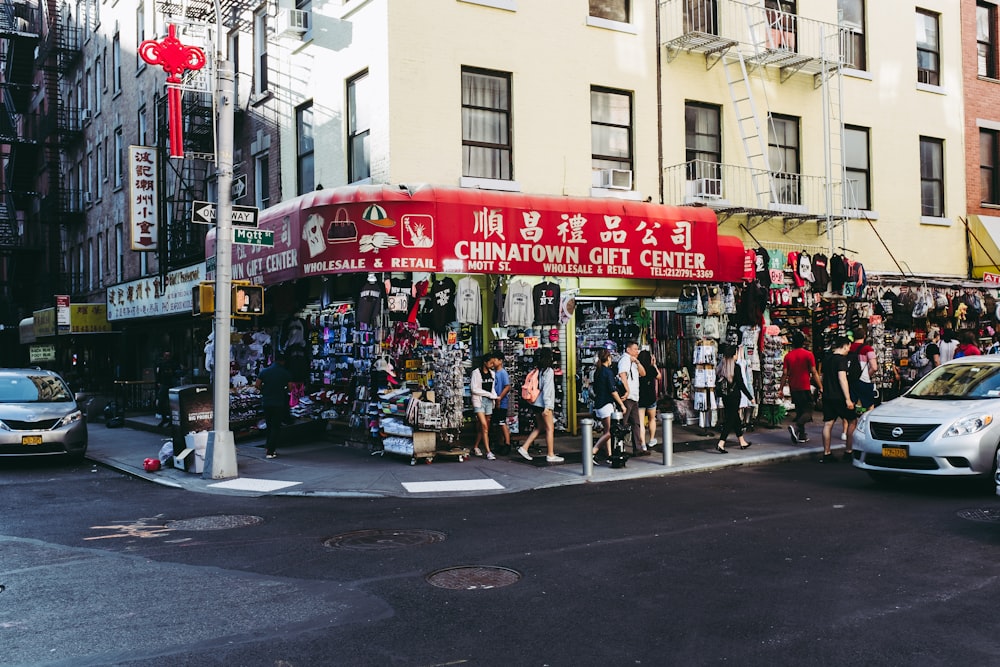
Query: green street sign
x=251, y=236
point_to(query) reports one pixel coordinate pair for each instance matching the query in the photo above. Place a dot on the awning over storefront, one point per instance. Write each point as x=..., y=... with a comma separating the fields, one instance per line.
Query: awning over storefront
x=26, y=331
x=984, y=244
x=456, y=230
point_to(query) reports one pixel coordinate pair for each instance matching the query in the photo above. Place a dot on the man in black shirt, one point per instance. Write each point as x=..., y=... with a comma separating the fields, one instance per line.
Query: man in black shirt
x=837, y=403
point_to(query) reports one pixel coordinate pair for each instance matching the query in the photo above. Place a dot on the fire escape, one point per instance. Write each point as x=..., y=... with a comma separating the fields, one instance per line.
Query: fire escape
x=748, y=38
x=61, y=205
x=20, y=246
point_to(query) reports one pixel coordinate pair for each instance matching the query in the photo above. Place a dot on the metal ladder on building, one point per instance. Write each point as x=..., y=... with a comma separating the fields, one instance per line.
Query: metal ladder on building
x=750, y=125
x=839, y=194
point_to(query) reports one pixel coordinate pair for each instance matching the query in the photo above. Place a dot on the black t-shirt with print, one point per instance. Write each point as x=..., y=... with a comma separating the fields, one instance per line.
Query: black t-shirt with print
x=442, y=304
x=546, y=298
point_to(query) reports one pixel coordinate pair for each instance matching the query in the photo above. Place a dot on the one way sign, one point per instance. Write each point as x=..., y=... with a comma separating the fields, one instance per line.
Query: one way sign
x=203, y=213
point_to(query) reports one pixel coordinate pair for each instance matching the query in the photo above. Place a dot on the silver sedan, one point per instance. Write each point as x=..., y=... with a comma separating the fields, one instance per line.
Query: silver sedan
x=946, y=425
x=39, y=416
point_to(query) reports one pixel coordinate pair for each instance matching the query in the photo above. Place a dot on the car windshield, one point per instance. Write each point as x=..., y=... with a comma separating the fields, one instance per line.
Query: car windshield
x=33, y=389
x=959, y=381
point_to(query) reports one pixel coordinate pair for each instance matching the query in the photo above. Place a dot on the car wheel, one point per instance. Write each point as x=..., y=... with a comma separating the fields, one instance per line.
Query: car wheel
x=883, y=478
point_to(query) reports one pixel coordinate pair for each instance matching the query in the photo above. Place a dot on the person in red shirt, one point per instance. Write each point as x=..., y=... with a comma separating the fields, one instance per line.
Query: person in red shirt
x=967, y=344
x=863, y=388
x=799, y=374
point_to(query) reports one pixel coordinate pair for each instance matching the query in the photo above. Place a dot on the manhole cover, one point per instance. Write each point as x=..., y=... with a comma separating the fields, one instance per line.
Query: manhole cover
x=473, y=577
x=221, y=522
x=373, y=540
x=984, y=515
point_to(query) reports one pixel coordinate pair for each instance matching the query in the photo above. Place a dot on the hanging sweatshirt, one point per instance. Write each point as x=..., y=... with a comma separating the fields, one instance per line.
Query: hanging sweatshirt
x=370, y=303
x=442, y=304
x=469, y=303
x=518, y=307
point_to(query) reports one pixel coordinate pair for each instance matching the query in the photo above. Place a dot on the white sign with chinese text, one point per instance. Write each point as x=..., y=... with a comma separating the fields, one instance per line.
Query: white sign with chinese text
x=152, y=297
x=143, y=198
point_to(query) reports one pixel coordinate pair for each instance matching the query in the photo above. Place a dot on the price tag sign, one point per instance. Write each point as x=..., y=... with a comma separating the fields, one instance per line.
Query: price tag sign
x=452, y=337
x=531, y=342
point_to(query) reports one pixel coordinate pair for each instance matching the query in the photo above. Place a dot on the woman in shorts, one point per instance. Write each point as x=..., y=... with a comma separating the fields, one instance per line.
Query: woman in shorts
x=606, y=399
x=647, y=393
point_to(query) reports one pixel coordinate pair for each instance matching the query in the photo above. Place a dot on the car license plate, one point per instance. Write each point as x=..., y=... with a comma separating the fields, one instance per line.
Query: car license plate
x=31, y=439
x=895, y=451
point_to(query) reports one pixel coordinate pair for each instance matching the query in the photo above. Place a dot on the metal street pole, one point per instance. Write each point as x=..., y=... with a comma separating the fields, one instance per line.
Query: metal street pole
x=220, y=456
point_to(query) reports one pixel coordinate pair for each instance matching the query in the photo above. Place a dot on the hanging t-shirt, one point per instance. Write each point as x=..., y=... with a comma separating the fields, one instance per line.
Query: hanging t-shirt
x=821, y=275
x=469, y=303
x=370, y=303
x=838, y=273
x=442, y=304
x=776, y=269
x=498, y=305
x=399, y=298
x=545, y=297
x=761, y=267
x=518, y=307
x=312, y=234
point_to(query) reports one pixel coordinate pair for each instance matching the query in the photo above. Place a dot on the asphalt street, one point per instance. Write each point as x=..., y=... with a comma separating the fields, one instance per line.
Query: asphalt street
x=795, y=563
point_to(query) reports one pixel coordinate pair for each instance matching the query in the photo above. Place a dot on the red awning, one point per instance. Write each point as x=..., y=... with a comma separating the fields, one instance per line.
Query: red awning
x=458, y=230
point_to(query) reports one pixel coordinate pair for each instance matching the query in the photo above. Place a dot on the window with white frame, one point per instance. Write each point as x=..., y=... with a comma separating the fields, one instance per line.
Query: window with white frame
x=100, y=176
x=119, y=158
x=486, y=125
x=783, y=158
x=305, y=174
x=358, y=128
x=120, y=252
x=262, y=180
x=857, y=167
x=260, y=50
x=852, y=21
x=116, y=63
x=100, y=260
x=140, y=34
x=98, y=85
x=611, y=130
x=91, y=269
x=141, y=126
x=612, y=10
x=91, y=173
x=703, y=142
x=986, y=39
x=931, y=177
x=928, y=48
x=989, y=166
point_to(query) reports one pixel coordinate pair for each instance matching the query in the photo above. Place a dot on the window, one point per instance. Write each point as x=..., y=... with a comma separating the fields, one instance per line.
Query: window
x=119, y=253
x=100, y=260
x=701, y=16
x=783, y=158
x=486, y=143
x=612, y=10
x=931, y=177
x=119, y=158
x=610, y=130
x=98, y=85
x=88, y=88
x=304, y=171
x=100, y=176
x=702, y=140
x=260, y=50
x=989, y=192
x=104, y=74
x=782, y=24
x=262, y=180
x=928, y=49
x=358, y=129
x=140, y=34
x=141, y=126
x=986, y=39
x=116, y=63
x=852, y=43
x=91, y=174
x=857, y=167
x=91, y=273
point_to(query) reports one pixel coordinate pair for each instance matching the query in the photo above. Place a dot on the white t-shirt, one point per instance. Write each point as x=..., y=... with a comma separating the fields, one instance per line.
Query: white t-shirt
x=628, y=365
x=468, y=302
x=312, y=233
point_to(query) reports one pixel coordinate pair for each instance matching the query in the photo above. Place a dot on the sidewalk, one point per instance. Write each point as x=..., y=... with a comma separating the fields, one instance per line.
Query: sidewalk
x=326, y=468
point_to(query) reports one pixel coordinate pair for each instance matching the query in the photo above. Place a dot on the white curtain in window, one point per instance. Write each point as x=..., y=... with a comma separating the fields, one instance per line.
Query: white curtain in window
x=485, y=103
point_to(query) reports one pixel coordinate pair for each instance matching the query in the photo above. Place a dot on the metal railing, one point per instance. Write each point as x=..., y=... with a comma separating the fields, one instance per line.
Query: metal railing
x=728, y=186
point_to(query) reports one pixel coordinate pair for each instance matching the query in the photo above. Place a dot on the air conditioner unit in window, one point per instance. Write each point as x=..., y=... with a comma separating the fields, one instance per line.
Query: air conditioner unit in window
x=84, y=115
x=293, y=22
x=708, y=188
x=87, y=199
x=615, y=179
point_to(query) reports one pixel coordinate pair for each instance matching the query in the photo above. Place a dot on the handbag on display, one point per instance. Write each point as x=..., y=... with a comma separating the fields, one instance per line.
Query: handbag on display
x=687, y=302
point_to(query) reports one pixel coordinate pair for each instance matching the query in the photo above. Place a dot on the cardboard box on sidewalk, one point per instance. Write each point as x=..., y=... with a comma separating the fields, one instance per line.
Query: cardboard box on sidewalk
x=192, y=457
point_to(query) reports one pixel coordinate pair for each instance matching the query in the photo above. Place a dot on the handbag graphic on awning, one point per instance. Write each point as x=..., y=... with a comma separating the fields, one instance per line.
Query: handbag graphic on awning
x=342, y=228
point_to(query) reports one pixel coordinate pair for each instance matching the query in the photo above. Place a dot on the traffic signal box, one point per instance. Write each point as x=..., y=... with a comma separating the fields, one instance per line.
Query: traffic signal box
x=247, y=299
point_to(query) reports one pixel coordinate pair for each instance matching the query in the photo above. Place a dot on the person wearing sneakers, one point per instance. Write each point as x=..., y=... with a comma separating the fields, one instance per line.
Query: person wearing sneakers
x=799, y=374
x=273, y=386
x=501, y=385
x=647, y=394
x=837, y=403
x=481, y=388
x=605, y=399
x=629, y=371
x=543, y=407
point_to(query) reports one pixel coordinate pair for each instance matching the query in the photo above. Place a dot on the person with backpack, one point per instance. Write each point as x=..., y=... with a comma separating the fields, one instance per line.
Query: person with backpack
x=481, y=389
x=541, y=382
x=837, y=402
x=862, y=369
x=731, y=387
x=606, y=398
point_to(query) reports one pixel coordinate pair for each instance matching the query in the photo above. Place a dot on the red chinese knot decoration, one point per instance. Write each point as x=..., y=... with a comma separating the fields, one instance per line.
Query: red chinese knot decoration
x=175, y=58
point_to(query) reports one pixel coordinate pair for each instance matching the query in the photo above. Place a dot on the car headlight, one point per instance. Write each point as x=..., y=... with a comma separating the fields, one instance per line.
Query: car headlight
x=967, y=425
x=3, y=426
x=74, y=416
x=862, y=425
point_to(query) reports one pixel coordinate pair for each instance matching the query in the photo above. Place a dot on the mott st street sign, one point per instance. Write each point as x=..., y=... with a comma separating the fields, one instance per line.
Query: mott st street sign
x=250, y=236
x=203, y=213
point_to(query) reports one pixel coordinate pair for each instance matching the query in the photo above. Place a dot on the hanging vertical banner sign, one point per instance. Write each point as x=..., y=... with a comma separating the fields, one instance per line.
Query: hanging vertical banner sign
x=144, y=199
x=63, y=319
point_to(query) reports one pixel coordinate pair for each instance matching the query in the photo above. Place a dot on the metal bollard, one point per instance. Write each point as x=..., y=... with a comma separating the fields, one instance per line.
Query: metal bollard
x=667, y=428
x=588, y=446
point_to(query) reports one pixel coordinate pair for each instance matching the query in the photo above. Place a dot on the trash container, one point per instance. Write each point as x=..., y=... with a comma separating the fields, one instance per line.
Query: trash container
x=192, y=409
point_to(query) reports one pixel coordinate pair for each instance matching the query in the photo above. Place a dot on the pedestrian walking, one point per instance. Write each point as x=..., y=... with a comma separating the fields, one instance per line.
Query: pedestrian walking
x=967, y=345
x=629, y=372
x=501, y=387
x=947, y=345
x=166, y=376
x=273, y=384
x=837, y=402
x=606, y=399
x=862, y=379
x=543, y=407
x=481, y=388
x=798, y=375
x=731, y=387
x=647, y=394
